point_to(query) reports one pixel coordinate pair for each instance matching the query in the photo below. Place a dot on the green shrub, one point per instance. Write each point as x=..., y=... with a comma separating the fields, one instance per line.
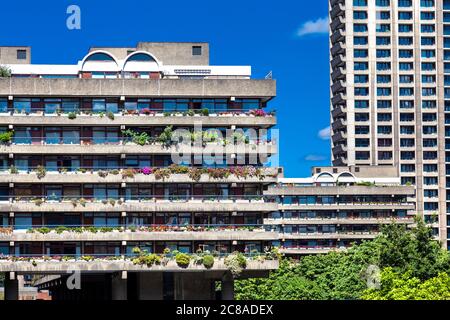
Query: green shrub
x=72, y=115
x=5, y=72
x=182, y=260
x=6, y=137
x=208, y=261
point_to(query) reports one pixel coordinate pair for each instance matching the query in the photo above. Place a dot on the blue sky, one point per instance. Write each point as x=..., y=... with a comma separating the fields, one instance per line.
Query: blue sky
x=283, y=36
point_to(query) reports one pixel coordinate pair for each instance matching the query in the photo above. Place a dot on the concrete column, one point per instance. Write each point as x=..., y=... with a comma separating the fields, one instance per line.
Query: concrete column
x=193, y=286
x=227, y=287
x=150, y=286
x=11, y=287
x=119, y=288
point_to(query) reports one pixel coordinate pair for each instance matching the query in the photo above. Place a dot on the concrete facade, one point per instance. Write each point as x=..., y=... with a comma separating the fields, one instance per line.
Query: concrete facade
x=388, y=96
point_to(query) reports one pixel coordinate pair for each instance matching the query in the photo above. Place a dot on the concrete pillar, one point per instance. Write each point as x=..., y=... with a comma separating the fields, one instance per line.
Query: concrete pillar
x=193, y=286
x=11, y=286
x=150, y=286
x=119, y=287
x=228, y=287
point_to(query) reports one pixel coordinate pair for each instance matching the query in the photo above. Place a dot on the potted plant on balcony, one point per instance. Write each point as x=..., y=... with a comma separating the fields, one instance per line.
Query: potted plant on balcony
x=183, y=260
x=236, y=263
x=40, y=172
x=6, y=137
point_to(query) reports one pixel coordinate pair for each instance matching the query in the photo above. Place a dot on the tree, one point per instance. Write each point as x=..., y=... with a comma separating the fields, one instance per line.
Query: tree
x=341, y=275
x=395, y=286
x=5, y=72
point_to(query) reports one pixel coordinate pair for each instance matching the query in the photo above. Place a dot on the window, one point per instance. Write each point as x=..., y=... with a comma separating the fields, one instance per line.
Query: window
x=428, y=41
x=405, y=28
x=406, y=104
x=382, y=3
x=406, y=91
x=405, y=15
x=427, y=3
x=196, y=50
x=405, y=117
x=360, y=27
x=428, y=28
x=359, y=15
x=383, y=15
x=405, y=41
x=21, y=54
x=361, y=53
x=361, y=91
x=406, y=78
x=383, y=27
x=384, y=104
x=383, y=91
x=428, y=66
x=428, y=53
x=362, y=78
x=361, y=104
x=360, y=3
x=383, y=78
x=384, y=117
x=383, y=66
x=360, y=41
x=427, y=15
x=361, y=65
x=383, y=41
x=383, y=53
x=404, y=3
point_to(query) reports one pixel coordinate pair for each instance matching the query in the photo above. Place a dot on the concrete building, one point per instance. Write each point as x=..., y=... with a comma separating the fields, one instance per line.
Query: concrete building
x=337, y=207
x=88, y=171
x=95, y=178
x=389, y=94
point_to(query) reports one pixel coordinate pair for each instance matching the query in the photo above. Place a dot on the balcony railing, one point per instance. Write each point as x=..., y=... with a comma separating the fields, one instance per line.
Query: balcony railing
x=115, y=199
x=130, y=227
x=112, y=112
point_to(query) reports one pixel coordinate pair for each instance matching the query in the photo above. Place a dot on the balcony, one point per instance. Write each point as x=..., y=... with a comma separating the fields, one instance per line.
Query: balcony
x=334, y=2
x=144, y=175
x=339, y=149
x=338, y=61
x=338, y=87
x=139, y=204
x=120, y=148
x=338, y=74
x=339, y=136
x=305, y=250
x=228, y=118
x=338, y=220
x=138, y=87
x=56, y=265
x=339, y=124
x=360, y=190
x=337, y=36
x=338, y=98
x=338, y=48
x=143, y=233
x=333, y=236
x=337, y=10
x=352, y=206
x=337, y=23
x=339, y=162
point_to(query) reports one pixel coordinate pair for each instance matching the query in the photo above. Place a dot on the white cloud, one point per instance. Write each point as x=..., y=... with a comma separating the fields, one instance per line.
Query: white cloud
x=325, y=133
x=313, y=27
x=315, y=157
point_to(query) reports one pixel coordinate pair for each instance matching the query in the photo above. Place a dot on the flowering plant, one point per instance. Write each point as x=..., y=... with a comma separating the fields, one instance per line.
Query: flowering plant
x=147, y=171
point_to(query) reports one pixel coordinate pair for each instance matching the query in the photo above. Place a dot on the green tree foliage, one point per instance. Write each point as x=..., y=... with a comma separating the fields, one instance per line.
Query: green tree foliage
x=395, y=286
x=341, y=275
